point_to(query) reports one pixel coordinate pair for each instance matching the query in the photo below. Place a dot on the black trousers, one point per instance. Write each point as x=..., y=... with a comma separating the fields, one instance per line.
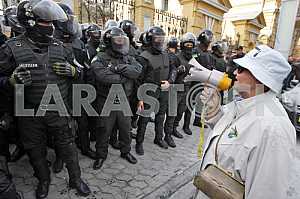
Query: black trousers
x=34, y=131
x=173, y=121
x=159, y=119
x=7, y=187
x=105, y=126
x=86, y=126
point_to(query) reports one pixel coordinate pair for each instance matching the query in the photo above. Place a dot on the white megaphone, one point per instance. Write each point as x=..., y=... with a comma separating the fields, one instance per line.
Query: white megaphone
x=201, y=74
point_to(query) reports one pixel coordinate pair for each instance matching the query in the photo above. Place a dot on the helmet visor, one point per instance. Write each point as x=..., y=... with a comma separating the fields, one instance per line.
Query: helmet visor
x=47, y=10
x=158, y=42
x=120, y=44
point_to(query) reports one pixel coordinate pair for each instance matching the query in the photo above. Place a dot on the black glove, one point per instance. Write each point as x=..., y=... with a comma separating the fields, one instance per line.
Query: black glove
x=21, y=76
x=181, y=69
x=118, y=68
x=5, y=122
x=64, y=69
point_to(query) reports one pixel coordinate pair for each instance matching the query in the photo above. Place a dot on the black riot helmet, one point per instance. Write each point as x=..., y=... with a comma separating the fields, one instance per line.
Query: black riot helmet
x=93, y=32
x=173, y=42
x=218, y=48
x=155, y=37
x=117, y=40
x=205, y=37
x=110, y=23
x=129, y=28
x=187, y=44
x=10, y=19
x=67, y=30
x=84, y=27
x=30, y=12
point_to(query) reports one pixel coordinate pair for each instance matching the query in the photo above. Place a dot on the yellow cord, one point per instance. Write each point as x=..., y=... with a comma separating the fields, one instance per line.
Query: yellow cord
x=201, y=138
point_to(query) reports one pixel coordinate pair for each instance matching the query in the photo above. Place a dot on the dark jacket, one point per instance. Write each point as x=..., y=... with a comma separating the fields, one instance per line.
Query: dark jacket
x=108, y=68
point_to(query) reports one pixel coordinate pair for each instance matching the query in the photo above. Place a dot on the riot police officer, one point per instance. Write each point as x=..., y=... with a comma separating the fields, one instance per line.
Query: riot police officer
x=39, y=60
x=131, y=30
x=172, y=45
x=158, y=69
x=187, y=44
x=114, y=66
x=93, y=34
x=205, y=58
x=218, y=50
x=69, y=33
x=7, y=188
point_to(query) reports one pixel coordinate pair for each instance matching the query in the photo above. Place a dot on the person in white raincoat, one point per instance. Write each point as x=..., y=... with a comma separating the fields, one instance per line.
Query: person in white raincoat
x=258, y=145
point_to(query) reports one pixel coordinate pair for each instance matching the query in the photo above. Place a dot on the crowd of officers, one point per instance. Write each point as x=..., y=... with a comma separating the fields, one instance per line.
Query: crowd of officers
x=48, y=46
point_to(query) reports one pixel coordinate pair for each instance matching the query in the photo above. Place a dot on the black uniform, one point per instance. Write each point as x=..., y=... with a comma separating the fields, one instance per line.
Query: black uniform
x=34, y=130
x=7, y=188
x=182, y=94
x=205, y=59
x=157, y=67
x=102, y=70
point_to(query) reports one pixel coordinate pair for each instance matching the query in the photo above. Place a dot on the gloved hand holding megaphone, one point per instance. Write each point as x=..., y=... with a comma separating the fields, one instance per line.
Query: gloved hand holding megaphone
x=201, y=74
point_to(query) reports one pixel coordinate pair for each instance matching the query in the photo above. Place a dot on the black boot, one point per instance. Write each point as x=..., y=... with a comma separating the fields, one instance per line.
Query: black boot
x=169, y=140
x=89, y=153
x=175, y=133
x=161, y=143
x=17, y=154
x=58, y=165
x=42, y=189
x=98, y=164
x=139, y=149
x=81, y=187
x=129, y=157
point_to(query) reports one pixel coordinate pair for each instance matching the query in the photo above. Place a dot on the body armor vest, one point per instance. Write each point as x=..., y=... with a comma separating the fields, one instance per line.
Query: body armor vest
x=205, y=59
x=219, y=63
x=185, y=62
x=40, y=67
x=160, y=64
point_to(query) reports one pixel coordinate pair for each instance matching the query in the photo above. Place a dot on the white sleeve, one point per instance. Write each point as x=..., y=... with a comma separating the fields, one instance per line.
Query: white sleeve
x=267, y=174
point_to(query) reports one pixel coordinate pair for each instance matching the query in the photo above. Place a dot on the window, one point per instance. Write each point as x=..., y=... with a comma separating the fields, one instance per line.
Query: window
x=209, y=22
x=164, y=4
x=147, y=22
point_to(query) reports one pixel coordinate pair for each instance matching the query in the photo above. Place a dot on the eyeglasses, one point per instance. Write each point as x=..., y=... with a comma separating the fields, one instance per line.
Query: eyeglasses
x=240, y=69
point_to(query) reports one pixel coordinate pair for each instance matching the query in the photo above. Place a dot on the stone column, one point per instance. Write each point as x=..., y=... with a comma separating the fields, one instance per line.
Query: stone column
x=144, y=12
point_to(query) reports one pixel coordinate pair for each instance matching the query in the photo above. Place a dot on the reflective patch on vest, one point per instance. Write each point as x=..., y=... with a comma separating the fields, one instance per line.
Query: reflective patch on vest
x=29, y=65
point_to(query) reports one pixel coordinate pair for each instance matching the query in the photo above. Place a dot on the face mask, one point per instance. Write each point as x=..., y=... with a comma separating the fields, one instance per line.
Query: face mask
x=188, y=53
x=41, y=34
x=44, y=30
x=158, y=43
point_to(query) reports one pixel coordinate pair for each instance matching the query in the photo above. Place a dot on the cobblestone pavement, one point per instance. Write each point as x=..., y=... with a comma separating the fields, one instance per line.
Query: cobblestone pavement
x=158, y=174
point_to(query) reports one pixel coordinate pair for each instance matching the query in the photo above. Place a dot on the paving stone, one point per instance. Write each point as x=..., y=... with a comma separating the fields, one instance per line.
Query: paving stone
x=123, y=177
x=138, y=184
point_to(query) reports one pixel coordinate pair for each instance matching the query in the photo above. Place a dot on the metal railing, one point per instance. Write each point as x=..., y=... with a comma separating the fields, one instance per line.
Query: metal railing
x=172, y=24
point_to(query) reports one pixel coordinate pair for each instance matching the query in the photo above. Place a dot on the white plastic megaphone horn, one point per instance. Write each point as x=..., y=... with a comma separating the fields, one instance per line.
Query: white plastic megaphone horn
x=201, y=74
